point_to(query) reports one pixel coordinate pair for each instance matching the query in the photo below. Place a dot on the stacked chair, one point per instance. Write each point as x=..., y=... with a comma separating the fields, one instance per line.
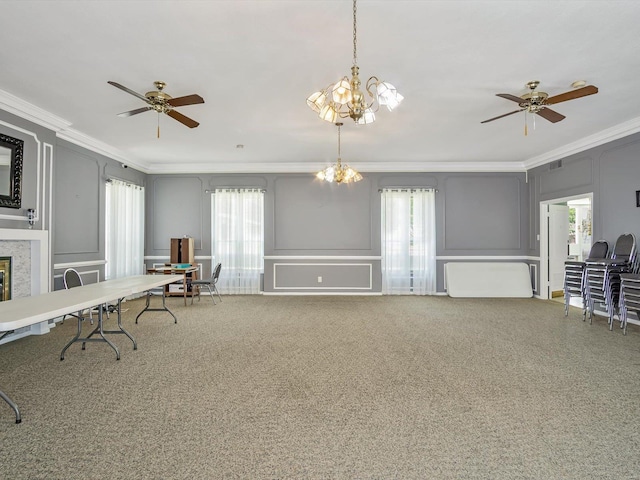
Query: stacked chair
x=602, y=277
x=574, y=276
x=629, y=297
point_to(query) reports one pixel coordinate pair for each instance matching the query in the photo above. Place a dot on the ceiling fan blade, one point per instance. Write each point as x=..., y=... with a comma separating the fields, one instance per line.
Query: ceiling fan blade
x=580, y=92
x=513, y=98
x=183, y=119
x=135, y=94
x=186, y=100
x=501, y=116
x=135, y=112
x=550, y=115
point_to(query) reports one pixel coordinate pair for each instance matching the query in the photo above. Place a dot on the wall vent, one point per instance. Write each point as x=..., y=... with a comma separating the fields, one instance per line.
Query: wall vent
x=556, y=164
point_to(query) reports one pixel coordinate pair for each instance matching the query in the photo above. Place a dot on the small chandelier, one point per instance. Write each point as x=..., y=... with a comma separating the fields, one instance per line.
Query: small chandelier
x=345, y=99
x=337, y=172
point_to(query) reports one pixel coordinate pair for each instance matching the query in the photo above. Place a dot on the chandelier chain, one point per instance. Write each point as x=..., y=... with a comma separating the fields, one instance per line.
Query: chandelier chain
x=339, y=141
x=355, y=54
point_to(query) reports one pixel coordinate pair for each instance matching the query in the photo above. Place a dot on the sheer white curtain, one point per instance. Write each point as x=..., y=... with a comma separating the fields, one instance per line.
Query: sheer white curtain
x=408, y=242
x=124, y=229
x=238, y=238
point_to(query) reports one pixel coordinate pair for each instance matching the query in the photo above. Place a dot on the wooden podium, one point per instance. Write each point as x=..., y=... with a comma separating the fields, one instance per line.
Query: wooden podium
x=182, y=250
x=182, y=253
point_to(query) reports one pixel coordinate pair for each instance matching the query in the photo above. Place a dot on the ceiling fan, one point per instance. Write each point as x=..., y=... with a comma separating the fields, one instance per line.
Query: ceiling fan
x=537, y=102
x=162, y=102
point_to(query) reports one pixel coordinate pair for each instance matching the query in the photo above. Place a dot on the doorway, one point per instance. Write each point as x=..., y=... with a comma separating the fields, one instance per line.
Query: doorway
x=565, y=234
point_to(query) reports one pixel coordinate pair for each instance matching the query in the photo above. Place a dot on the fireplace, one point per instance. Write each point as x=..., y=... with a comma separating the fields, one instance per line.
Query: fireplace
x=30, y=270
x=5, y=278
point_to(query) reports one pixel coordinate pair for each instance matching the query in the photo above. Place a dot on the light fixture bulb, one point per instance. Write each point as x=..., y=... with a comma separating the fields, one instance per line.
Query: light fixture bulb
x=342, y=92
x=316, y=101
x=338, y=172
x=349, y=100
x=367, y=117
x=388, y=95
x=328, y=113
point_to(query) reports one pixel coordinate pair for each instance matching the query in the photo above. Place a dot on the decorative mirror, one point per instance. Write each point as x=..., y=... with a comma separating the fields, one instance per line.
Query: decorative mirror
x=11, y=151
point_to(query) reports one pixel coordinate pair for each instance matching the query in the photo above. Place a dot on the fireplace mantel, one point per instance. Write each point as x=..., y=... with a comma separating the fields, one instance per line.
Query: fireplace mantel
x=40, y=264
x=40, y=270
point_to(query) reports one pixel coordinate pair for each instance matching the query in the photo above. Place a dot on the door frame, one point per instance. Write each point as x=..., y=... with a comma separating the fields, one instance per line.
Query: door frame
x=543, y=292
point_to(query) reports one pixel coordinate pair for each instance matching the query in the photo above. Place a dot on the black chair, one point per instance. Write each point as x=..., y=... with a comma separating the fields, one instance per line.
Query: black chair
x=574, y=278
x=629, y=297
x=602, y=284
x=210, y=284
x=71, y=279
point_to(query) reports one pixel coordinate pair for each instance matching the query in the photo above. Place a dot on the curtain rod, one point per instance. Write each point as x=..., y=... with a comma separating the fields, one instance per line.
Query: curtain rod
x=412, y=189
x=262, y=189
x=129, y=182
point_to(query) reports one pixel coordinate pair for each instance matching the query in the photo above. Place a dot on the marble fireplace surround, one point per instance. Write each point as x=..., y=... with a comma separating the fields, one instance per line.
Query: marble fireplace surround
x=38, y=275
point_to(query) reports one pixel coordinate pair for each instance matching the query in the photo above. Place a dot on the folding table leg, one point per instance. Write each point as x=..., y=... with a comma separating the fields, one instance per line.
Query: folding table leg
x=12, y=405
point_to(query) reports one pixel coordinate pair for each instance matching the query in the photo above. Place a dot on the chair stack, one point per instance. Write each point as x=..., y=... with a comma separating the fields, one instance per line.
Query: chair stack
x=629, y=297
x=602, y=277
x=574, y=276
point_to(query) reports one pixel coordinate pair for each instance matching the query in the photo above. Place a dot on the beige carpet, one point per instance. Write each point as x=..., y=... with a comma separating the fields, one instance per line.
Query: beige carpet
x=329, y=388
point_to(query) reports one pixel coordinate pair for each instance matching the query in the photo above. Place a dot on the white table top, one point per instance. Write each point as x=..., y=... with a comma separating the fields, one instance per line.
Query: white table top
x=22, y=312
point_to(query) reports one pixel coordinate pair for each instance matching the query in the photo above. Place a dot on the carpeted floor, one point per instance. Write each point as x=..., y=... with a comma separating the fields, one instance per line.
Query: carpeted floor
x=270, y=387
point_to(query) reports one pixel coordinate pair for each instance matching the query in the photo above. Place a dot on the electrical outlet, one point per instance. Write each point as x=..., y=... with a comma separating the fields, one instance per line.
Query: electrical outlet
x=319, y=279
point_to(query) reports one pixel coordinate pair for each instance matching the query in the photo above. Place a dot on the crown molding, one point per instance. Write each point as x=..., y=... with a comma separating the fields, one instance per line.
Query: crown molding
x=12, y=104
x=90, y=143
x=371, y=167
x=605, y=136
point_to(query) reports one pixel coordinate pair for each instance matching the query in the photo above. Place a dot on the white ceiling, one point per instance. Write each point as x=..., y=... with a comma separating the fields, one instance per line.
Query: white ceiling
x=255, y=62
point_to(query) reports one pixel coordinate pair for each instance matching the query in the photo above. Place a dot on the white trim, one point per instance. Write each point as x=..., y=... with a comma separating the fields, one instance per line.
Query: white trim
x=619, y=131
x=464, y=258
x=164, y=257
x=544, y=242
x=320, y=257
x=370, y=287
x=87, y=263
x=86, y=272
x=90, y=143
x=359, y=294
x=371, y=167
x=28, y=111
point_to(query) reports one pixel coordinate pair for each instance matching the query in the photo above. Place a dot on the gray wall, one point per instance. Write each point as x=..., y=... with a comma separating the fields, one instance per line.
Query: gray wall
x=479, y=215
x=611, y=172
x=78, y=239
x=39, y=145
x=318, y=229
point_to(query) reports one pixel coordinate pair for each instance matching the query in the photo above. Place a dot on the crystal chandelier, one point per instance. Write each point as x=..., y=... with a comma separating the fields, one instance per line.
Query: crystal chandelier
x=345, y=99
x=338, y=172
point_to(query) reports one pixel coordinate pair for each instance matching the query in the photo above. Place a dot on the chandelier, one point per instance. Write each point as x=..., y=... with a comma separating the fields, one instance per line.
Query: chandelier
x=338, y=172
x=345, y=99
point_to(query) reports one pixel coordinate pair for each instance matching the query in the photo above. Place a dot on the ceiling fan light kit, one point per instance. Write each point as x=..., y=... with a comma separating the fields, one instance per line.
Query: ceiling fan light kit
x=537, y=102
x=162, y=102
x=345, y=98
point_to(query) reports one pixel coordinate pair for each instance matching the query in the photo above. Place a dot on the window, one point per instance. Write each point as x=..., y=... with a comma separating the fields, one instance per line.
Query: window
x=124, y=229
x=408, y=242
x=238, y=238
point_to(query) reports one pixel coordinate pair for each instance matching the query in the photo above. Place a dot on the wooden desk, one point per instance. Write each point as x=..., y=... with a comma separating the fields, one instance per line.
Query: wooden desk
x=170, y=270
x=27, y=311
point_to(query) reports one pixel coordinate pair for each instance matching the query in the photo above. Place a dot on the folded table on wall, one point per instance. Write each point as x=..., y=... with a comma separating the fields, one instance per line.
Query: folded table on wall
x=488, y=279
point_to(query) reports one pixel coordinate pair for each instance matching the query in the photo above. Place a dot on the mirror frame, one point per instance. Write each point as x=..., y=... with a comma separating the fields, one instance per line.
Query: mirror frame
x=14, y=199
